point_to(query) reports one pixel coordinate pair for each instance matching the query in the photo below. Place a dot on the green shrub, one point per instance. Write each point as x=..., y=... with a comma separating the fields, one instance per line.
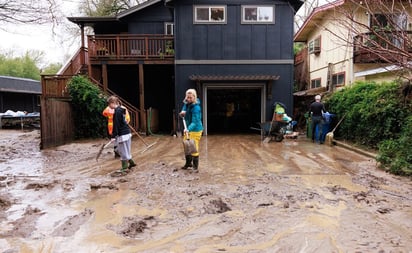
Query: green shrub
x=374, y=112
x=396, y=155
x=88, y=103
x=378, y=116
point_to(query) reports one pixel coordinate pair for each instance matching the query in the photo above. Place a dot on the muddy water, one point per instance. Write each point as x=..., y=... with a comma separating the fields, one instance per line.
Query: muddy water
x=293, y=196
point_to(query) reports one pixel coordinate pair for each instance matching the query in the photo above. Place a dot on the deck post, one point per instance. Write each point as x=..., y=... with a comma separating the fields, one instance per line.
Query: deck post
x=141, y=97
x=104, y=76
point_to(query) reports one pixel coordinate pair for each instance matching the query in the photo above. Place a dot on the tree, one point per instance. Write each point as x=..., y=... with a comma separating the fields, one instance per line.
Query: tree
x=97, y=8
x=377, y=28
x=28, y=11
x=25, y=66
x=51, y=69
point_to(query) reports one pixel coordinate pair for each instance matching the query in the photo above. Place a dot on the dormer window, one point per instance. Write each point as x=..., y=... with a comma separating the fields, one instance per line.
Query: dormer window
x=314, y=46
x=206, y=14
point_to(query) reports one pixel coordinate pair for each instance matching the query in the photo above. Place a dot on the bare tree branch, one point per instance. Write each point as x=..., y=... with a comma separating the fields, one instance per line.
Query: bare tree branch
x=28, y=11
x=377, y=30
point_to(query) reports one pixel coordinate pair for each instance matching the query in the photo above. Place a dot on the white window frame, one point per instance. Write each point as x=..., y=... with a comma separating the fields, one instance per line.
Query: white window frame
x=167, y=25
x=314, y=46
x=259, y=19
x=210, y=9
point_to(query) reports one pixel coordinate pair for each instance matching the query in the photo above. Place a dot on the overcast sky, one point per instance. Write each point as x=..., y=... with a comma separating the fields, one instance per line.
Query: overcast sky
x=56, y=45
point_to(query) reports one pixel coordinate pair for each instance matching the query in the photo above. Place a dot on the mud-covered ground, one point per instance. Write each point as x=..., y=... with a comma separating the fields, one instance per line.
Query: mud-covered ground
x=249, y=196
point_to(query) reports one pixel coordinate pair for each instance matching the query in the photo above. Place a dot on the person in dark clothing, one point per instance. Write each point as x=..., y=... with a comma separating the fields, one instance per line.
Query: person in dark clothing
x=316, y=110
x=121, y=133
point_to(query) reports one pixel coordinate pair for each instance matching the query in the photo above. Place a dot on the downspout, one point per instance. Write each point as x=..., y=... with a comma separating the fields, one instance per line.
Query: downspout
x=83, y=48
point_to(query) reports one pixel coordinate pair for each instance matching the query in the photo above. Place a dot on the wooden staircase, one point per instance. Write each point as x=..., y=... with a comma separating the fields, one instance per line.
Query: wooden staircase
x=55, y=86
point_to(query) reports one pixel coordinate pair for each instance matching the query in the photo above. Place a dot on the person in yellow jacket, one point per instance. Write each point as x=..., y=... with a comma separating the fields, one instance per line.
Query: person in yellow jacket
x=108, y=113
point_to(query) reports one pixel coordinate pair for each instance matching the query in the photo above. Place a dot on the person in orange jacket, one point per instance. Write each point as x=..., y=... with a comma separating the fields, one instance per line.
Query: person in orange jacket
x=108, y=113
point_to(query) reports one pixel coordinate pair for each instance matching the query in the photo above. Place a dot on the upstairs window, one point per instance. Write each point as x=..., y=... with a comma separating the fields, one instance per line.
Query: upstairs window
x=314, y=46
x=209, y=14
x=315, y=83
x=338, y=79
x=252, y=14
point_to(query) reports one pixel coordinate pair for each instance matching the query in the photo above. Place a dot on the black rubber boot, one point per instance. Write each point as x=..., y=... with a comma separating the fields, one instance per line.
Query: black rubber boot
x=188, y=162
x=131, y=164
x=195, y=164
x=124, y=166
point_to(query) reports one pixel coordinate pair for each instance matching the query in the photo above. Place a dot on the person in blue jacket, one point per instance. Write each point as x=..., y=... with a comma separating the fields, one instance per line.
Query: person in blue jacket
x=192, y=114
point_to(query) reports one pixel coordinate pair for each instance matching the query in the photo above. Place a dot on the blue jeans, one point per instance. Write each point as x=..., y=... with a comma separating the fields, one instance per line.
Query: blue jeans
x=316, y=121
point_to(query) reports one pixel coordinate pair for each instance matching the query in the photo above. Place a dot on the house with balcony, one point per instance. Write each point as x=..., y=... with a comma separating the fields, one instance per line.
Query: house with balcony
x=232, y=52
x=348, y=40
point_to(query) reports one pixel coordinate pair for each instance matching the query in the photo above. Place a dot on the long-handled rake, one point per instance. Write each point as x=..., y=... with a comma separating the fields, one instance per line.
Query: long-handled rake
x=141, y=138
x=101, y=149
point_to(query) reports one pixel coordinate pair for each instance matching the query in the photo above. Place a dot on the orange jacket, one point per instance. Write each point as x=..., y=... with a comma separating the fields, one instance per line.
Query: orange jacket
x=108, y=113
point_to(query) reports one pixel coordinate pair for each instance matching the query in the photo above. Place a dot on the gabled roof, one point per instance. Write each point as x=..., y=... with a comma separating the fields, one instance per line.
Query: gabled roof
x=137, y=8
x=296, y=4
x=89, y=21
x=315, y=19
x=19, y=85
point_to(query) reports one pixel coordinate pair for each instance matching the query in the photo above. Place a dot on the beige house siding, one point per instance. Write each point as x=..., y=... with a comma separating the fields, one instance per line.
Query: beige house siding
x=333, y=51
x=336, y=48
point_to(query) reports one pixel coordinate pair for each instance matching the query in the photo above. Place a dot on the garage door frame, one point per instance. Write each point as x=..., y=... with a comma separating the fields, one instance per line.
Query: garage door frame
x=223, y=86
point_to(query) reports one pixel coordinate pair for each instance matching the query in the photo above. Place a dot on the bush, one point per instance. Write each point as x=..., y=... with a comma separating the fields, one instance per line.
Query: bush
x=378, y=116
x=374, y=112
x=396, y=155
x=88, y=103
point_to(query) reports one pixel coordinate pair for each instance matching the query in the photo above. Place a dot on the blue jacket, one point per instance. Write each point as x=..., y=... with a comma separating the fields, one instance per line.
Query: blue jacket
x=193, y=116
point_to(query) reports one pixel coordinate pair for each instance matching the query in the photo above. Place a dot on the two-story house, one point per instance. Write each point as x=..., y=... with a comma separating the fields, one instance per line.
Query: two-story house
x=237, y=52
x=350, y=40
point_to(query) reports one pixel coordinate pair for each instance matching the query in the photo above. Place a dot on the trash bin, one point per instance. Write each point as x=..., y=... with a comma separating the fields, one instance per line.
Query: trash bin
x=308, y=126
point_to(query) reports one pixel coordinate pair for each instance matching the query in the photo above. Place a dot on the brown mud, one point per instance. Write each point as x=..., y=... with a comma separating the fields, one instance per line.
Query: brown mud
x=249, y=196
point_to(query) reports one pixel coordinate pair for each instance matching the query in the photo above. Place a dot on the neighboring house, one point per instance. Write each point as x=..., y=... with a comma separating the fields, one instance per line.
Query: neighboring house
x=19, y=94
x=238, y=52
x=329, y=61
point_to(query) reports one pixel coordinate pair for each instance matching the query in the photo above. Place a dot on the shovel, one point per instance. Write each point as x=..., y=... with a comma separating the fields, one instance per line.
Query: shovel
x=329, y=136
x=188, y=144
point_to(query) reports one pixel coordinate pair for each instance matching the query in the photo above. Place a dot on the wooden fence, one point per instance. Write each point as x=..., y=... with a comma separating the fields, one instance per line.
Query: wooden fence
x=56, y=117
x=57, y=125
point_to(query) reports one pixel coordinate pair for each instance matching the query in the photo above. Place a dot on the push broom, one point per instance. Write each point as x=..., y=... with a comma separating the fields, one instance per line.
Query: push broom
x=141, y=138
x=330, y=135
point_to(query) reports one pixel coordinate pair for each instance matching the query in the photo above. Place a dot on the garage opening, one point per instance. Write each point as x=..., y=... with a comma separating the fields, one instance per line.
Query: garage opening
x=232, y=109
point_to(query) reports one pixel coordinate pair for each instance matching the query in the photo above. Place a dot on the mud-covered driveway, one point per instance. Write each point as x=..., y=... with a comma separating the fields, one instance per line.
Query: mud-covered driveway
x=293, y=196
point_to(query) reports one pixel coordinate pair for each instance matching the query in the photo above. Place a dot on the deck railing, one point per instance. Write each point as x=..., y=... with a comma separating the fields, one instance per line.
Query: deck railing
x=76, y=64
x=381, y=46
x=126, y=46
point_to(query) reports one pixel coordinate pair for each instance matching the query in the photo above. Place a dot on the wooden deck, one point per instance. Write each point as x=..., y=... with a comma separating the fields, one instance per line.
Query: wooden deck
x=130, y=47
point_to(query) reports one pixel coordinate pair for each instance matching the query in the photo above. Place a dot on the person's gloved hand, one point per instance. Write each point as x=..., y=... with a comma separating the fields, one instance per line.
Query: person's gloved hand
x=182, y=114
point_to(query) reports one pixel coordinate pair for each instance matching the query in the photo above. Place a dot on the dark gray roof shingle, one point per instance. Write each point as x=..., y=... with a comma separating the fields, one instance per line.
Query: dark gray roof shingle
x=19, y=85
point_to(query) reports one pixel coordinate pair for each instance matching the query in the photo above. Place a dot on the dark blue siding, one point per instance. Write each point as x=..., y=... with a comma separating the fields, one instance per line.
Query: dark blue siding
x=149, y=20
x=233, y=39
x=281, y=89
x=236, y=41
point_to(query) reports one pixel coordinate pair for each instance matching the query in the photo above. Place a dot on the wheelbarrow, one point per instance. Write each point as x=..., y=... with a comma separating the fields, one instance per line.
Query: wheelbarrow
x=272, y=130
